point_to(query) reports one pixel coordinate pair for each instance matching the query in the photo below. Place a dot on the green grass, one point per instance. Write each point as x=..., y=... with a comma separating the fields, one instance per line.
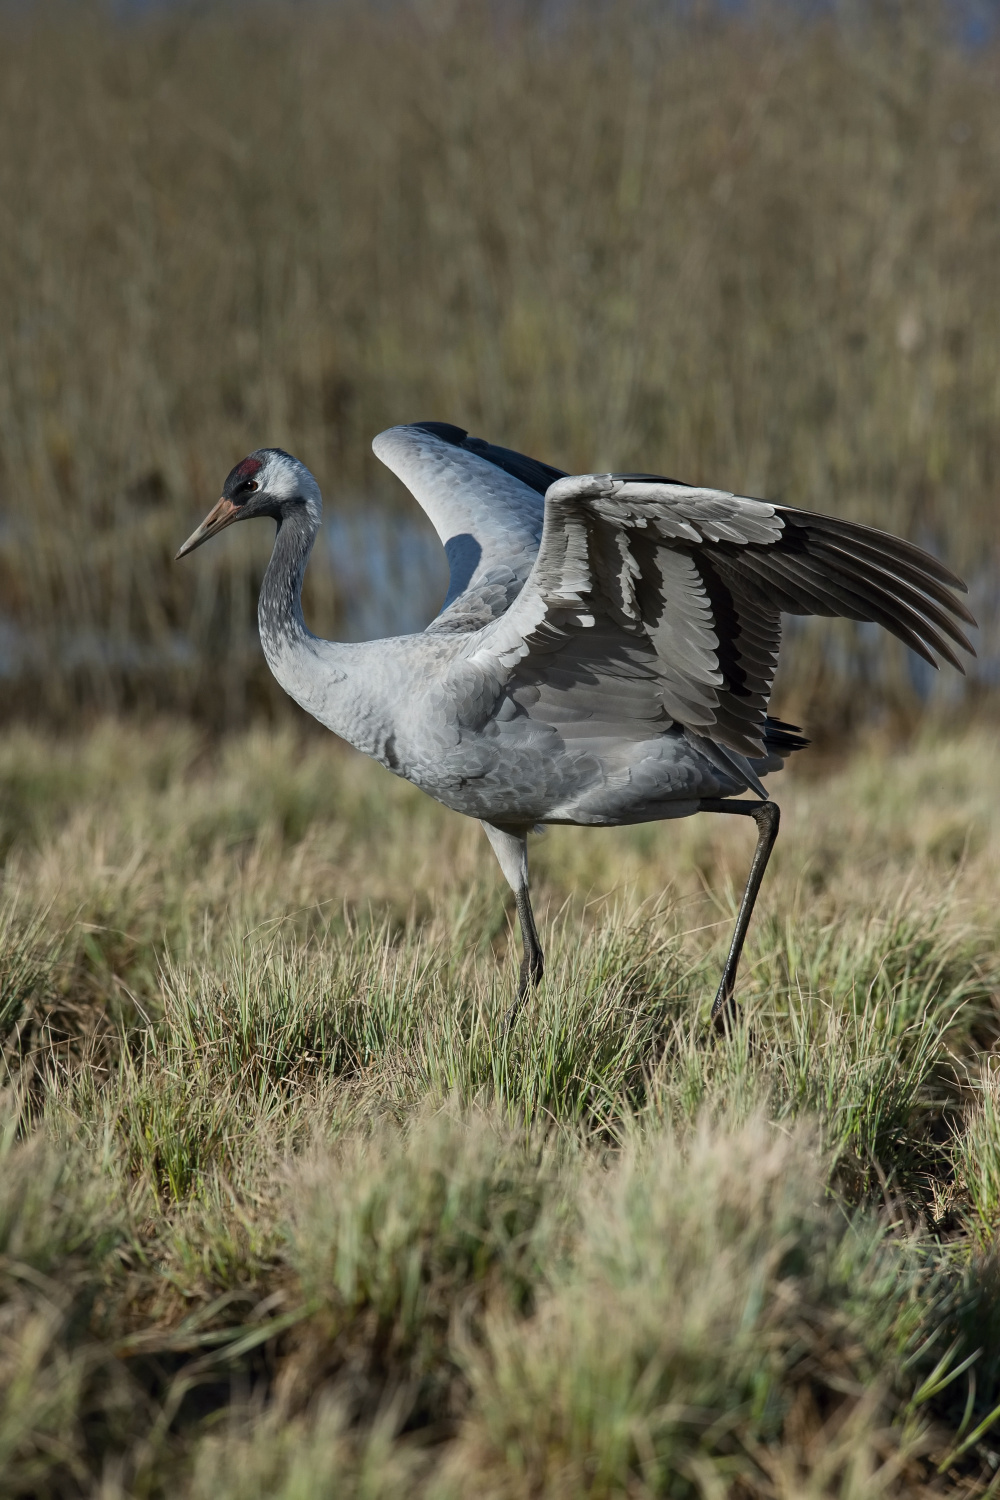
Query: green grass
x=285, y=1212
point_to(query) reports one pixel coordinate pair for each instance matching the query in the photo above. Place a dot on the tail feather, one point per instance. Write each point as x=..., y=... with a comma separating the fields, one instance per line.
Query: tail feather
x=782, y=738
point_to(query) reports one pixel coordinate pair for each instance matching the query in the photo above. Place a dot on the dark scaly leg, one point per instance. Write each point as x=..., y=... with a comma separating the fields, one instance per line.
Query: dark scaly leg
x=511, y=849
x=767, y=816
x=533, y=961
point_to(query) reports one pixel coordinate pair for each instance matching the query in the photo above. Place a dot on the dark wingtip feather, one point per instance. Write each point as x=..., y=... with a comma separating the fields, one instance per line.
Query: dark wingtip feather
x=651, y=479
x=446, y=431
x=874, y=575
x=530, y=471
x=884, y=541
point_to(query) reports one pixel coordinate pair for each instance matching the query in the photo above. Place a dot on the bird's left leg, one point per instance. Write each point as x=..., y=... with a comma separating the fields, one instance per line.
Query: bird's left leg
x=767, y=816
x=511, y=848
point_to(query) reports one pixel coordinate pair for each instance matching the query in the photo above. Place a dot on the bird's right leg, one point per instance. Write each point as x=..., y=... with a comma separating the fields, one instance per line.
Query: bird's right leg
x=511, y=848
x=767, y=817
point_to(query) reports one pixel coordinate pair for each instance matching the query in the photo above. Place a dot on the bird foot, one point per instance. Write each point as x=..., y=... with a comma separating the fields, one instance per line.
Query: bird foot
x=724, y=1006
x=724, y=1015
x=529, y=978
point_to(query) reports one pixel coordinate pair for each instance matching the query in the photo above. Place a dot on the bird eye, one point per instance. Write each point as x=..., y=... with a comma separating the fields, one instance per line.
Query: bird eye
x=252, y=484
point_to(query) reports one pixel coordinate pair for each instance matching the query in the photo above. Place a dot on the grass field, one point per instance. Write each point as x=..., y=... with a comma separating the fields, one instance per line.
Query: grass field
x=284, y=1213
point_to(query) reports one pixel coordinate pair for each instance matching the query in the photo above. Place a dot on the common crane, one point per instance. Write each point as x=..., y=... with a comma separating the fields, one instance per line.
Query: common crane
x=605, y=652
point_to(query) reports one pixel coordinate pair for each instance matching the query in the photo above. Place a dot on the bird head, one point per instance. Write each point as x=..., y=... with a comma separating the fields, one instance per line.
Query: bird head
x=269, y=482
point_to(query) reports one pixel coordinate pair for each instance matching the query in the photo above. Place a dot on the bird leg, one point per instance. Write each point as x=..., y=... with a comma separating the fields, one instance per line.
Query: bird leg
x=511, y=849
x=767, y=816
x=533, y=961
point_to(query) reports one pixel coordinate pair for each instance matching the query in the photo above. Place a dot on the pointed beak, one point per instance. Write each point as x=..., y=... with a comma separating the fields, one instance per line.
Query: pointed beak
x=223, y=515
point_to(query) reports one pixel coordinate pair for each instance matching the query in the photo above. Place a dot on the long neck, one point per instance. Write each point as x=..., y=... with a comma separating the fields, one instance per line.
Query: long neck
x=325, y=677
x=279, y=609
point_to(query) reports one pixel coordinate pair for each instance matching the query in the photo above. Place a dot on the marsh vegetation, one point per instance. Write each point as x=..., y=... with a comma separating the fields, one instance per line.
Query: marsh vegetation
x=747, y=252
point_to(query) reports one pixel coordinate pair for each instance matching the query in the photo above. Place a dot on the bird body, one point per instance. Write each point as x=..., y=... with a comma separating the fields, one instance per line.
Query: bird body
x=442, y=716
x=606, y=649
x=452, y=710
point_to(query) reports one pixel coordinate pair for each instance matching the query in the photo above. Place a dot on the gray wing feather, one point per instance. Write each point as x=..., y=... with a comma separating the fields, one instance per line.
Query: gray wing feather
x=489, y=520
x=659, y=600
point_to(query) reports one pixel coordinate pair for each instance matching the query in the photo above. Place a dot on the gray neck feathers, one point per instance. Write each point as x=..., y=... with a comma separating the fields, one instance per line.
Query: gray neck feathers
x=325, y=677
x=279, y=609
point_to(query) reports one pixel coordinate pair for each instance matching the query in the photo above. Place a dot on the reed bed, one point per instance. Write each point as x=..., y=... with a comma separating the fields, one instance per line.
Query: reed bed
x=756, y=251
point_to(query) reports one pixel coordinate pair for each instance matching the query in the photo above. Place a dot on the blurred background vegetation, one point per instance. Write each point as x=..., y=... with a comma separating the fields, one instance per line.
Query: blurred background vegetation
x=754, y=250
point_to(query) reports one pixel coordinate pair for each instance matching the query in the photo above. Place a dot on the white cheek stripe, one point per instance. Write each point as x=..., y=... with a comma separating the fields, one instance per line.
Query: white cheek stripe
x=286, y=479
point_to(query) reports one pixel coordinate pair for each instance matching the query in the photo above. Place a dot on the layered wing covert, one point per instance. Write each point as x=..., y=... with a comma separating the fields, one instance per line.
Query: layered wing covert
x=702, y=578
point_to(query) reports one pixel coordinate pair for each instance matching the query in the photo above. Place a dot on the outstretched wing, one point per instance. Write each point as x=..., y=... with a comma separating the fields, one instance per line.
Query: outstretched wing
x=485, y=504
x=637, y=576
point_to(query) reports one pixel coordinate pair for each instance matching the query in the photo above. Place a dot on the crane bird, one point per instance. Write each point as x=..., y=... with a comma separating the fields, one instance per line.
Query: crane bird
x=605, y=652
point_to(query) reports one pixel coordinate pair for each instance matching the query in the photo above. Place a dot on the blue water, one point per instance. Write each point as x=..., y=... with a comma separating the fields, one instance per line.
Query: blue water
x=390, y=577
x=389, y=571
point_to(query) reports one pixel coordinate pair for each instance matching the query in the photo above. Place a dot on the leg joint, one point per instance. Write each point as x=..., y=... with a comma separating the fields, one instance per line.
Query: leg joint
x=767, y=816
